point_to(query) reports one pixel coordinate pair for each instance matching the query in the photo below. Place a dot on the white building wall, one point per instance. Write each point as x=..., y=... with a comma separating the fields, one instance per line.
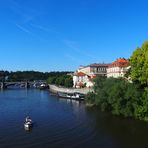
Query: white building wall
x=75, y=80
x=82, y=79
x=85, y=70
x=93, y=70
x=116, y=72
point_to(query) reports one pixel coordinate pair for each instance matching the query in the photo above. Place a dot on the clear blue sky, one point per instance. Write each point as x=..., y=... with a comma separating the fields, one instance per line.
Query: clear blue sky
x=47, y=35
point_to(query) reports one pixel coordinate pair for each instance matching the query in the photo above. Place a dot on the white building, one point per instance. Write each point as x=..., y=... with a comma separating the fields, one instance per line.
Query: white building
x=85, y=74
x=118, y=68
x=81, y=79
x=94, y=69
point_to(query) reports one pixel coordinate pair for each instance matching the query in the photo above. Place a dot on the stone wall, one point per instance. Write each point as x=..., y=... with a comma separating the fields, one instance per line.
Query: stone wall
x=55, y=89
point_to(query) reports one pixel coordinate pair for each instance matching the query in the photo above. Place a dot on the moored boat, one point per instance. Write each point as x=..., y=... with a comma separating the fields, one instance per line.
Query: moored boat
x=43, y=86
x=74, y=96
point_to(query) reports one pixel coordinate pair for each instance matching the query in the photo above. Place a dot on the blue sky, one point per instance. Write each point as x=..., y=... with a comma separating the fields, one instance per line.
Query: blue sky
x=57, y=35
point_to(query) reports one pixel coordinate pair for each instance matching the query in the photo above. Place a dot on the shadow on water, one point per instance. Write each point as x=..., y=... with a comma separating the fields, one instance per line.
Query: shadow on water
x=126, y=132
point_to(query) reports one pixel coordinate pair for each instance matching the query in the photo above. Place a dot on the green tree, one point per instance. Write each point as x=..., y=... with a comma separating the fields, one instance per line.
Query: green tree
x=142, y=108
x=61, y=79
x=51, y=80
x=90, y=98
x=118, y=96
x=99, y=80
x=68, y=81
x=139, y=64
x=139, y=75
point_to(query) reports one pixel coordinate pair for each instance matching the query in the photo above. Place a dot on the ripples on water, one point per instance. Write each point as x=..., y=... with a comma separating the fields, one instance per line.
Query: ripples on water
x=63, y=123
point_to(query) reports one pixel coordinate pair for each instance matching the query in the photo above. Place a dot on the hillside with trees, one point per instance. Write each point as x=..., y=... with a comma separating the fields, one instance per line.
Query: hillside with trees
x=28, y=75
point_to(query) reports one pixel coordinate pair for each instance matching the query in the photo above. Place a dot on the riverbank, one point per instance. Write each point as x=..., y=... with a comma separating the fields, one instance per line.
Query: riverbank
x=55, y=89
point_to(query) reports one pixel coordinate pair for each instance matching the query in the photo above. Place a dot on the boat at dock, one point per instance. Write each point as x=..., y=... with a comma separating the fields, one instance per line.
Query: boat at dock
x=43, y=86
x=73, y=96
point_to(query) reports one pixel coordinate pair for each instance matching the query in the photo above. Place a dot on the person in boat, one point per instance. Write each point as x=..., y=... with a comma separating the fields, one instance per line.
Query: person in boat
x=28, y=123
x=28, y=119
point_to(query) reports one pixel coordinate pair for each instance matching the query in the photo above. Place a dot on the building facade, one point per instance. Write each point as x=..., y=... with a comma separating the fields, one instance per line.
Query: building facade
x=85, y=74
x=94, y=69
x=118, y=68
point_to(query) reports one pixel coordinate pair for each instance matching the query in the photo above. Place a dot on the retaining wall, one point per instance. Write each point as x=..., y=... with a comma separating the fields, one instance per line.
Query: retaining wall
x=55, y=89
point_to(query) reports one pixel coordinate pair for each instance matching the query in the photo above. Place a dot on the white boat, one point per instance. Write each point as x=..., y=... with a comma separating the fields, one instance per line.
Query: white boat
x=43, y=86
x=74, y=96
x=28, y=123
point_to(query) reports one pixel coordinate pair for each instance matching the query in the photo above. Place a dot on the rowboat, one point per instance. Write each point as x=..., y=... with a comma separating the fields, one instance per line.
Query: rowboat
x=28, y=123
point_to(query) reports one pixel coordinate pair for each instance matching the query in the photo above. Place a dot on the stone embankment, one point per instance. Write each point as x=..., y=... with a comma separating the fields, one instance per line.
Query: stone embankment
x=55, y=89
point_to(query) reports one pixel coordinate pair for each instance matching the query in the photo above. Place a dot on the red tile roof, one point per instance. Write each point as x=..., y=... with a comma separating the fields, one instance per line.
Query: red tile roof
x=98, y=65
x=121, y=62
x=80, y=74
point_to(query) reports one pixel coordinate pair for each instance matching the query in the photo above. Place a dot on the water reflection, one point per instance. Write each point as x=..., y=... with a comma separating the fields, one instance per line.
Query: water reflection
x=125, y=132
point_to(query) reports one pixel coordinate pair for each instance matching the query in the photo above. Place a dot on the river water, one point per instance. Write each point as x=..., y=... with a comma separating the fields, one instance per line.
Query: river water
x=63, y=123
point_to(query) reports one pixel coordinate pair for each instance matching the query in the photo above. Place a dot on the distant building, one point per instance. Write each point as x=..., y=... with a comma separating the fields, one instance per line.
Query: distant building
x=94, y=69
x=118, y=68
x=69, y=74
x=85, y=74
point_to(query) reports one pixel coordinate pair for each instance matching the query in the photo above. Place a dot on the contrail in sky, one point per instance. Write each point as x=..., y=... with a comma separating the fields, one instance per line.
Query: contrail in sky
x=22, y=28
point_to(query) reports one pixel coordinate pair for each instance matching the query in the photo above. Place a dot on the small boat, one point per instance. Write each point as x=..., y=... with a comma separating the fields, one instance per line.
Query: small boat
x=73, y=96
x=28, y=123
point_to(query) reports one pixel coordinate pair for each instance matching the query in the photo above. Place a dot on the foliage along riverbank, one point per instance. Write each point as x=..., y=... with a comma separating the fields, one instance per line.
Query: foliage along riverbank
x=61, y=80
x=121, y=97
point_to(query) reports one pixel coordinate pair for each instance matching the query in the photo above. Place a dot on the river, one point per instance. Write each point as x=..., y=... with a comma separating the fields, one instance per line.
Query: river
x=63, y=123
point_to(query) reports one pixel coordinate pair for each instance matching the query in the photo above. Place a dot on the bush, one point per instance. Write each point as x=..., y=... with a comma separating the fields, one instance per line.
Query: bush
x=120, y=97
x=90, y=98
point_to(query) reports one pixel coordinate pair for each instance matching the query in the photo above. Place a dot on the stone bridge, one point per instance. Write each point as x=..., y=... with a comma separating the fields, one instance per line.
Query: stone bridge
x=25, y=84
